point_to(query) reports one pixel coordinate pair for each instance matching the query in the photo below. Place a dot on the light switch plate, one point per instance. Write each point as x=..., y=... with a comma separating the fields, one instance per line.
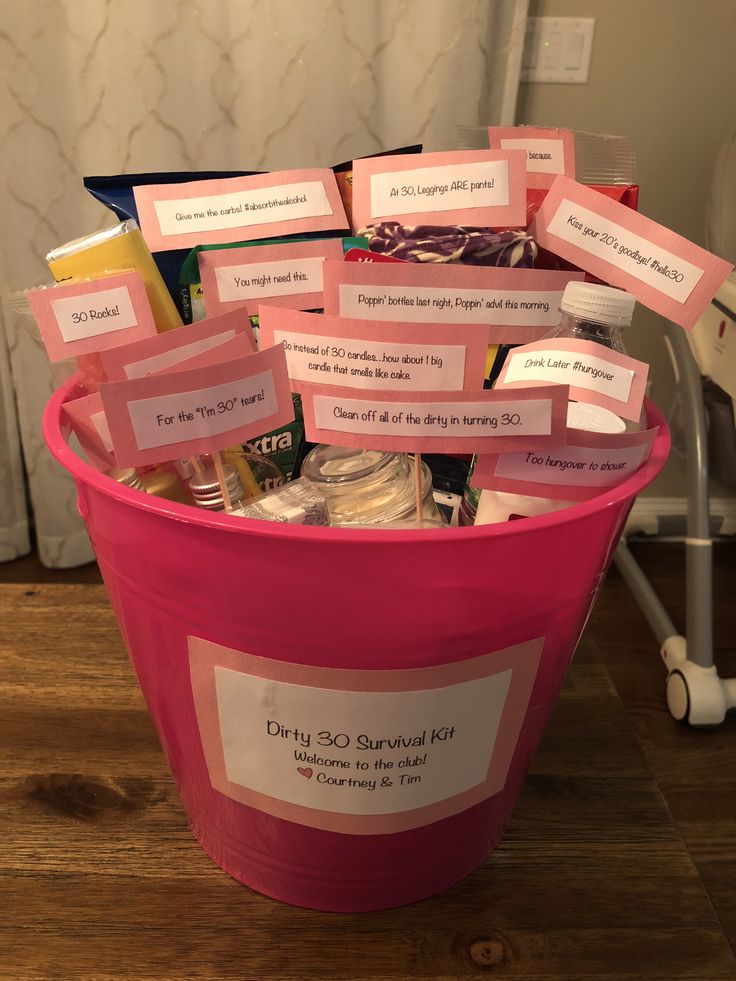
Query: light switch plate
x=557, y=49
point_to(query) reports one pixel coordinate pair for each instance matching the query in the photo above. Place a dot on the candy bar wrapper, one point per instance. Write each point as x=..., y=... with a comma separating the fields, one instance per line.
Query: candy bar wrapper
x=116, y=193
x=116, y=249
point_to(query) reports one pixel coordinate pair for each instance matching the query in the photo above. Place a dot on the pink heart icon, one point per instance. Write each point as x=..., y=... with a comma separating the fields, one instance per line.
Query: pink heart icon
x=306, y=771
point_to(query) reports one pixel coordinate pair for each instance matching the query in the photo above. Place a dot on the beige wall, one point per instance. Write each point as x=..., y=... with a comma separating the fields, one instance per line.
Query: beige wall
x=663, y=73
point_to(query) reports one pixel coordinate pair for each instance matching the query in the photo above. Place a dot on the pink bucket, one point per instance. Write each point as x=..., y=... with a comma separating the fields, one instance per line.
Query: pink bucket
x=348, y=715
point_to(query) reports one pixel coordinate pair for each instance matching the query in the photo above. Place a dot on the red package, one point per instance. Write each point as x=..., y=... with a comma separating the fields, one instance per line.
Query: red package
x=627, y=194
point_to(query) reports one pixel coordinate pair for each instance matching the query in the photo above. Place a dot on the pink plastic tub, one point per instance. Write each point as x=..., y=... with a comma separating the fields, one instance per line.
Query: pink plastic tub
x=348, y=715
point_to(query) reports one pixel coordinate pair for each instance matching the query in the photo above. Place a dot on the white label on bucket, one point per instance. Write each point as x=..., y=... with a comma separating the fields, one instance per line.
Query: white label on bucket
x=340, y=751
x=361, y=752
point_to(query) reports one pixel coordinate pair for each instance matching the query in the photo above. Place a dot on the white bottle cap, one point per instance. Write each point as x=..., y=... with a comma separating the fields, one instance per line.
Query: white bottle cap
x=602, y=304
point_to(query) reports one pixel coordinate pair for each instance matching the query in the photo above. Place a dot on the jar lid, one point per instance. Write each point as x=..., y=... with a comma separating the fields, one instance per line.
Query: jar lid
x=603, y=304
x=337, y=464
x=206, y=490
x=127, y=476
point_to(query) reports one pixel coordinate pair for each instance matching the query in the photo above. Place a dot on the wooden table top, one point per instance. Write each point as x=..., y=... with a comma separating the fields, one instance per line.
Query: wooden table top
x=101, y=878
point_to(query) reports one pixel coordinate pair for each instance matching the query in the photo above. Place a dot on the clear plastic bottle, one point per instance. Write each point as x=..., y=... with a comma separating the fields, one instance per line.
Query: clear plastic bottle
x=367, y=486
x=589, y=312
x=496, y=506
x=600, y=314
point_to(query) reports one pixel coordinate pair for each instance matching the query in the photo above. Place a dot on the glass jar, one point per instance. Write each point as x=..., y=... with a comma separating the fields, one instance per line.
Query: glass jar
x=367, y=486
x=600, y=314
x=257, y=473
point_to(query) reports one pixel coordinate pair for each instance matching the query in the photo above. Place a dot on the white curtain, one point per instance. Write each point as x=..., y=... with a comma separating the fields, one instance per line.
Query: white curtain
x=113, y=86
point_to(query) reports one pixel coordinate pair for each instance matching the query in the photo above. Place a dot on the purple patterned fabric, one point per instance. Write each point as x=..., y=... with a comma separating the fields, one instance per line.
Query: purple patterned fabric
x=451, y=243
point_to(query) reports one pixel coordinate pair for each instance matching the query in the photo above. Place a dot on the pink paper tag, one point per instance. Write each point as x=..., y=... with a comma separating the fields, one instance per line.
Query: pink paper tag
x=457, y=187
x=290, y=272
x=153, y=354
x=239, y=347
x=549, y=152
x=661, y=269
x=93, y=315
x=514, y=305
x=367, y=354
x=200, y=410
x=308, y=744
x=237, y=209
x=594, y=373
x=582, y=468
x=86, y=416
x=435, y=422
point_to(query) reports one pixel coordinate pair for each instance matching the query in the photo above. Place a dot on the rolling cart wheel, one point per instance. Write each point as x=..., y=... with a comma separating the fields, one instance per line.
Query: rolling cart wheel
x=697, y=696
x=678, y=696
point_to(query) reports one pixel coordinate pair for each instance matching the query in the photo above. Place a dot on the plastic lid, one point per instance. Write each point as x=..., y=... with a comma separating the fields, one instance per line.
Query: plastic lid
x=333, y=464
x=603, y=304
x=128, y=476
